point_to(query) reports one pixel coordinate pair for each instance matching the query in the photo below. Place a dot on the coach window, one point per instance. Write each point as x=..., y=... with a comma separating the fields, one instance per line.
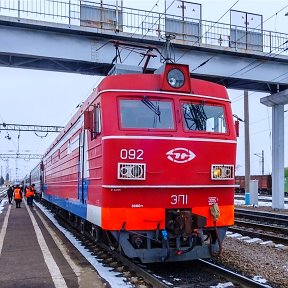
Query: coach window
x=96, y=122
x=204, y=117
x=145, y=113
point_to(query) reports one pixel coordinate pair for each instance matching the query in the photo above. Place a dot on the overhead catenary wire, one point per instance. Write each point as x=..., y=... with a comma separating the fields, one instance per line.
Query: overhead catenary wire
x=207, y=32
x=267, y=54
x=254, y=61
x=258, y=64
x=160, y=16
x=139, y=26
x=239, y=97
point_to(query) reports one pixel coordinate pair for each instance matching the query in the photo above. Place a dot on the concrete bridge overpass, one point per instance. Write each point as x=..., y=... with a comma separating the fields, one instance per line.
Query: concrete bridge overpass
x=79, y=39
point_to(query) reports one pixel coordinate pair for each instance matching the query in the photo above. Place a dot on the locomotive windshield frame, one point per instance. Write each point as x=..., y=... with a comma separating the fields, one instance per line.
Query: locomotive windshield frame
x=146, y=113
x=204, y=117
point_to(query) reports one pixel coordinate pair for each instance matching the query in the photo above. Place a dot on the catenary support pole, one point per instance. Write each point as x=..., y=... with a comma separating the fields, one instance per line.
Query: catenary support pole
x=247, y=148
x=278, y=157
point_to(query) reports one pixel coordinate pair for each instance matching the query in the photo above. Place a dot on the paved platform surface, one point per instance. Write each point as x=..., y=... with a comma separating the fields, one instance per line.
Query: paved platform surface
x=33, y=253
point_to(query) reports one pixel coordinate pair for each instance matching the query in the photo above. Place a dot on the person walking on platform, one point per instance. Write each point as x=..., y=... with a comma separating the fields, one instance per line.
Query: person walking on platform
x=10, y=194
x=18, y=196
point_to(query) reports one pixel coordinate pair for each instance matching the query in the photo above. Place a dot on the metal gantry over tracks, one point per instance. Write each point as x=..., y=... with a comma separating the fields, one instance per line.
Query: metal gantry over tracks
x=31, y=128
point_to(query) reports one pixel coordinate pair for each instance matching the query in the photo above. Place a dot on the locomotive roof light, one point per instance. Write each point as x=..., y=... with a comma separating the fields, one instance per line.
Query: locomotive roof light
x=175, y=78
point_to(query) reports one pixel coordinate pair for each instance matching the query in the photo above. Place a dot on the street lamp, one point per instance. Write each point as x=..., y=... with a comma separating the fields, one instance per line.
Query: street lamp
x=261, y=156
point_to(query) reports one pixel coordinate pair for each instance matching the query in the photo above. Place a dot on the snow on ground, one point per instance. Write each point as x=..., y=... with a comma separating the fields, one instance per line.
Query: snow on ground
x=106, y=273
x=260, y=203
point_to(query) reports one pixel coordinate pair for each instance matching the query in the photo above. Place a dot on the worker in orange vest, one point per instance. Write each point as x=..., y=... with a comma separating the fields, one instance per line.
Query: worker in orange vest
x=31, y=193
x=17, y=196
x=27, y=194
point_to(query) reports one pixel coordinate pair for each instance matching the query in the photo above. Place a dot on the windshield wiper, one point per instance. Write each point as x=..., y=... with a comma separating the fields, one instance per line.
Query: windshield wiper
x=153, y=107
x=196, y=115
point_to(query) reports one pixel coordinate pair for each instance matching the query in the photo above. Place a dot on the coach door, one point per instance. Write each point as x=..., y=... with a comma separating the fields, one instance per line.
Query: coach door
x=82, y=168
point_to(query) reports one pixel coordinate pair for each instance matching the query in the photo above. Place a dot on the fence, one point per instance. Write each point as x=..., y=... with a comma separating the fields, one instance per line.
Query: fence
x=142, y=24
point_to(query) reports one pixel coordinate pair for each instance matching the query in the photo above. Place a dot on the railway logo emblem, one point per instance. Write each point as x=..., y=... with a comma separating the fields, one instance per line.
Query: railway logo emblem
x=180, y=155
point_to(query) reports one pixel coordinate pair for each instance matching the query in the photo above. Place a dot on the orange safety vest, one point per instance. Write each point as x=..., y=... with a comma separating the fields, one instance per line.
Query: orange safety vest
x=30, y=192
x=17, y=194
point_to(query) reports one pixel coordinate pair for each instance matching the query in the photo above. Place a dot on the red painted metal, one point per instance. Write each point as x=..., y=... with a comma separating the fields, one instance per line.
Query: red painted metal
x=168, y=184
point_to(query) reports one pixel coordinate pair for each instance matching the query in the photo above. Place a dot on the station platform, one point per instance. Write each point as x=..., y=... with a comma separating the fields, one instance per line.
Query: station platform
x=34, y=254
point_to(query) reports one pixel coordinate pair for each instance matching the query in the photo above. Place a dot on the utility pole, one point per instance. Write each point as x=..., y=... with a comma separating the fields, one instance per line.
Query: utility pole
x=261, y=156
x=262, y=161
x=247, y=148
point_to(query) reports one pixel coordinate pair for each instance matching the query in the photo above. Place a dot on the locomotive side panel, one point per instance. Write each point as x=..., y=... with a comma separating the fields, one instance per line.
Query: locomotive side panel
x=36, y=177
x=65, y=182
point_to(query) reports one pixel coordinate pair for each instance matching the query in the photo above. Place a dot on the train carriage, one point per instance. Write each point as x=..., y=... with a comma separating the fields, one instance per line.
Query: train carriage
x=148, y=163
x=36, y=178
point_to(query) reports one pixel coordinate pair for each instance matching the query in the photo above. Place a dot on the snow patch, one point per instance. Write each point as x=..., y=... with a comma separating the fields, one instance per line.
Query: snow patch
x=223, y=285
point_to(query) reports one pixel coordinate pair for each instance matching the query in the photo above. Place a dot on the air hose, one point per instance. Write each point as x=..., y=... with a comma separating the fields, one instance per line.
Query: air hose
x=215, y=212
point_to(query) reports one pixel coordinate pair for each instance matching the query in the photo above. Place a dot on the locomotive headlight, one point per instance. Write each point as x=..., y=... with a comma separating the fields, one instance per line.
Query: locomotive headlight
x=137, y=171
x=222, y=172
x=124, y=171
x=131, y=171
x=217, y=172
x=175, y=78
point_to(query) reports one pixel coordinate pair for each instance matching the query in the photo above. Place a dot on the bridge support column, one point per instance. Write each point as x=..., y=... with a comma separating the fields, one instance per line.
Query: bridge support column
x=278, y=157
x=277, y=102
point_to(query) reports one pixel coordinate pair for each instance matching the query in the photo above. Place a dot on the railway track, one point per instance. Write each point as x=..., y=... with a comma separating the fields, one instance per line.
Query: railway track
x=260, y=198
x=160, y=275
x=265, y=225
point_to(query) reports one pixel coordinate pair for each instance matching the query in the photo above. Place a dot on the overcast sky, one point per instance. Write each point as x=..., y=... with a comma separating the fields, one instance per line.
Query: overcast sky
x=50, y=98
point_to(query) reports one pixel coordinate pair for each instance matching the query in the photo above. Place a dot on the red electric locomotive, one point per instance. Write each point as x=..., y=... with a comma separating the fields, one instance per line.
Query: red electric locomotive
x=147, y=163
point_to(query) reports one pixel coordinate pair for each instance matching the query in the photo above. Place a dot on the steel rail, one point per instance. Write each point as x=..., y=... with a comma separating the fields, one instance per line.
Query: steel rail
x=150, y=279
x=262, y=214
x=90, y=244
x=276, y=229
x=262, y=235
x=243, y=281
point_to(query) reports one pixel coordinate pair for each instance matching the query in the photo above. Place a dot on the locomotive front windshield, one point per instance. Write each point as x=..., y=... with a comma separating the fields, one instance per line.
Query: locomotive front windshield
x=146, y=114
x=204, y=117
